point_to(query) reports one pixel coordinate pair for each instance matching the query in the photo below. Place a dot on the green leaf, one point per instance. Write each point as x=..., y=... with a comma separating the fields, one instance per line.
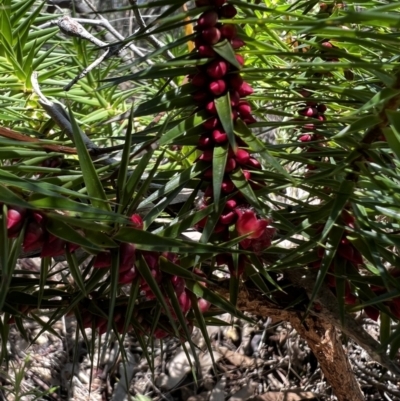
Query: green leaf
x=65, y=232
x=393, y=135
x=242, y=184
x=256, y=145
x=93, y=184
x=336, y=234
x=220, y=157
x=151, y=242
x=122, y=172
x=75, y=271
x=345, y=191
x=225, y=50
x=224, y=110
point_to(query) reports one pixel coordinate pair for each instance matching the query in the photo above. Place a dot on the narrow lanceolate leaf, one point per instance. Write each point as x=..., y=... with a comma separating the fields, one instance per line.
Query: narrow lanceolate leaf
x=224, y=110
x=201, y=324
x=134, y=179
x=220, y=156
x=256, y=145
x=145, y=272
x=123, y=167
x=342, y=197
x=393, y=135
x=65, y=232
x=244, y=187
x=336, y=234
x=151, y=242
x=225, y=50
x=93, y=184
x=76, y=273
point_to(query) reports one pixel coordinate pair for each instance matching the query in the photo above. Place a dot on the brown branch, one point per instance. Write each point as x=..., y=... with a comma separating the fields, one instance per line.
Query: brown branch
x=319, y=330
x=7, y=133
x=330, y=312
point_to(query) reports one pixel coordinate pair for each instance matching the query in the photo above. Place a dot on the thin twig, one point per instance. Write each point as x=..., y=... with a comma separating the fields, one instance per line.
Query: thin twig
x=57, y=113
x=86, y=71
x=103, y=23
x=142, y=25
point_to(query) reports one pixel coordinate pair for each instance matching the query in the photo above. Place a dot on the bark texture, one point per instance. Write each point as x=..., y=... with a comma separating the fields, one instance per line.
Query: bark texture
x=321, y=336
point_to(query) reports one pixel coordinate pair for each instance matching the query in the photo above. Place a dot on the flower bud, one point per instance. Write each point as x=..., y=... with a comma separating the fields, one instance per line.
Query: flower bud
x=219, y=3
x=327, y=45
x=208, y=19
x=309, y=127
x=228, y=11
x=227, y=186
x=244, y=108
x=228, y=218
x=211, y=123
x=127, y=276
x=240, y=59
x=211, y=35
x=305, y=93
x=15, y=220
x=126, y=257
x=247, y=175
x=308, y=112
x=231, y=204
x=34, y=236
x=204, y=305
x=200, y=96
x=230, y=165
x=54, y=246
x=184, y=302
x=208, y=193
x=217, y=69
x=151, y=259
x=219, y=228
x=235, y=98
x=254, y=163
x=179, y=284
x=237, y=43
x=219, y=137
x=372, y=312
x=137, y=221
x=306, y=138
x=249, y=120
x=206, y=156
x=245, y=90
x=235, y=81
x=242, y=156
x=102, y=260
x=205, y=142
x=199, y=80
x=206, y=51
x=321, y=108
x=218, y=87
x=210, y=108
x=208, y=175
x=160, y=333
x=228, y=31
